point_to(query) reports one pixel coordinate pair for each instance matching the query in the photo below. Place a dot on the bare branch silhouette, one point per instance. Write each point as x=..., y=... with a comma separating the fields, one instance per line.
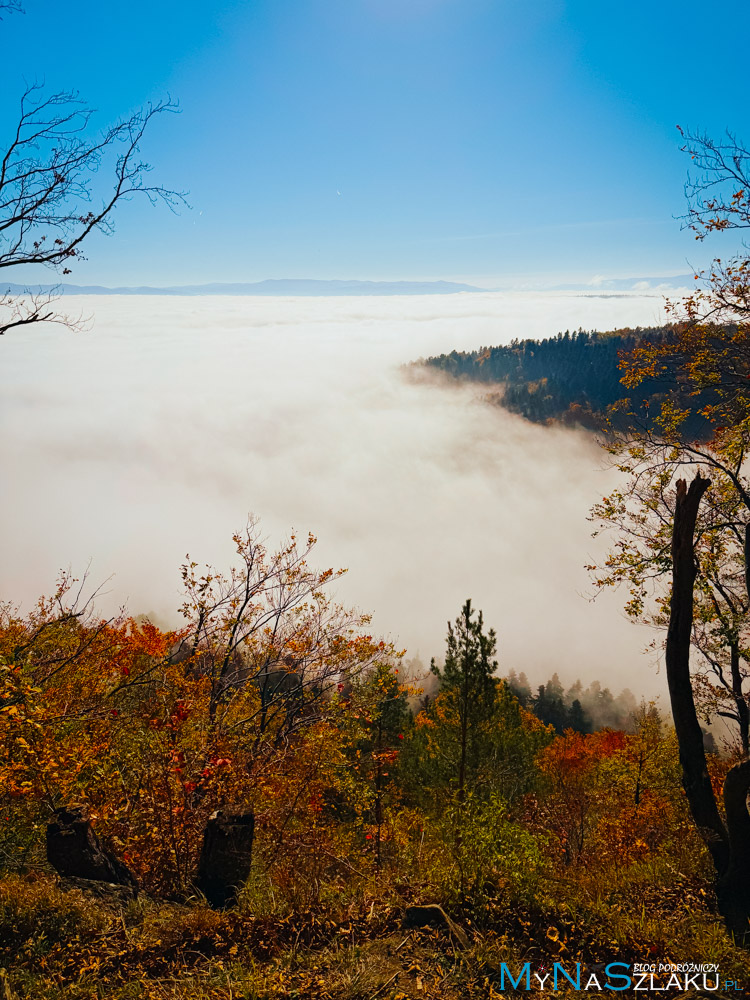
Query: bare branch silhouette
x=48, y=207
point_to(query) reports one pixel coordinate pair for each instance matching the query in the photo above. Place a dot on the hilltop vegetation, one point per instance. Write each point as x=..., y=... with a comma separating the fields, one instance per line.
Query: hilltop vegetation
x=539, y=840
x=573, y=378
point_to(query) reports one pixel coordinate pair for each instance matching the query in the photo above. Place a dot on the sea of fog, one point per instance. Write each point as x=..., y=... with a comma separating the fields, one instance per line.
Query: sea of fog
x=155, y=432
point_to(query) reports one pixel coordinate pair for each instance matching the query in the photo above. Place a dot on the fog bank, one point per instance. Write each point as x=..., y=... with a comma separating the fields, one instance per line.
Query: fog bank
x=155, y=432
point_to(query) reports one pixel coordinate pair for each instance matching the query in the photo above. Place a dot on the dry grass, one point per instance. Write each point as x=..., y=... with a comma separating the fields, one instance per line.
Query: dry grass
x=68, y=945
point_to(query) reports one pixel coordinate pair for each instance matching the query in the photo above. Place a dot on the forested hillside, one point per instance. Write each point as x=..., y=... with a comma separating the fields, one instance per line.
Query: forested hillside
x=573, y=378
x=263, y=804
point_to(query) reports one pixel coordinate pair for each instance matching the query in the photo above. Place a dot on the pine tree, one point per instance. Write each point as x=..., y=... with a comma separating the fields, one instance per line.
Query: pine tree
x=577, y=718
x=468, y=676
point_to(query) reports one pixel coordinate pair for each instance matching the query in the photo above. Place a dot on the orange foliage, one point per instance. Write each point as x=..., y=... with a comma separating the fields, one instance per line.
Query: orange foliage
x=142, y=726
x=611, y=793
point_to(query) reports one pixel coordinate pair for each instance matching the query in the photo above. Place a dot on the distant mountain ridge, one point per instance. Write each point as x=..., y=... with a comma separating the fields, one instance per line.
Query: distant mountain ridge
x=315, y=286
x=271, y=286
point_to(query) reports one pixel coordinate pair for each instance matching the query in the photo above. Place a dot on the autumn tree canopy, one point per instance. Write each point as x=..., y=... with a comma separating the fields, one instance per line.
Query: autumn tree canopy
x=707, y=357
x=684, y=550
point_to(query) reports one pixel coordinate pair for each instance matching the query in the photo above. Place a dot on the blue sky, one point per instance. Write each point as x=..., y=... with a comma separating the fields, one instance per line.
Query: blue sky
x=495, y=141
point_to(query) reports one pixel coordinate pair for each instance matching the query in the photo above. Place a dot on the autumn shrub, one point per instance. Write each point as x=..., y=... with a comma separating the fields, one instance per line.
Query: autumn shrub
x=35, y=913
x=476, y=852
x=154, y=730
x=610, y=797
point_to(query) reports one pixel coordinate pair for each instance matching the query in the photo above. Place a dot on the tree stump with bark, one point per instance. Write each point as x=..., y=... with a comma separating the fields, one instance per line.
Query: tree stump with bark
x=74, y=850
x=225, y=859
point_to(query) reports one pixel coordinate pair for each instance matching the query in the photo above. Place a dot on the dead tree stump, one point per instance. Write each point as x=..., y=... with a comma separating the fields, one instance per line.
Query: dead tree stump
x=74, y=850
x=225, y=857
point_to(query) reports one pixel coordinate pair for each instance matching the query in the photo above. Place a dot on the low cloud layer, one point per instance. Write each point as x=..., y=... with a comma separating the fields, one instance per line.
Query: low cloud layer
x=157, y=431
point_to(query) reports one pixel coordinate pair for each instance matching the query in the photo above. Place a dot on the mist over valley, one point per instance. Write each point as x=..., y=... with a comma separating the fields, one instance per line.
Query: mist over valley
x=155, y=432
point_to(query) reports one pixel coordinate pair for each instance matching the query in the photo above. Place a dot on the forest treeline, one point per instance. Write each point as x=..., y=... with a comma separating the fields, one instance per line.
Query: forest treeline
x=572, y=378
x=581, y=709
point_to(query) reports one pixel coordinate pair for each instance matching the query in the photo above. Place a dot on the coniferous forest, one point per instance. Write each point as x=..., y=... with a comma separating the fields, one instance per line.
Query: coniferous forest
x=574, y=379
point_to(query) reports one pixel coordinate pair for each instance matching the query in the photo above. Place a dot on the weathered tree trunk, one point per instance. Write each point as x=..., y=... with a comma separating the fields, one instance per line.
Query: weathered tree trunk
x=743, y=715
x=74, y=850
x=734, y=885
x=695, y=778
x=225, y=857
x=729, y=845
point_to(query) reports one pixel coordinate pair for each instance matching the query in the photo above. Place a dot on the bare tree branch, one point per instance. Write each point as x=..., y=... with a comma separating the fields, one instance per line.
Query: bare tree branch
x=35, y=307
x=11, y=7
x=719, y=197
x=48, y=207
